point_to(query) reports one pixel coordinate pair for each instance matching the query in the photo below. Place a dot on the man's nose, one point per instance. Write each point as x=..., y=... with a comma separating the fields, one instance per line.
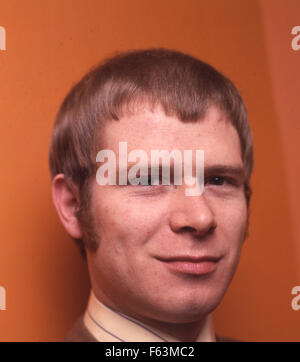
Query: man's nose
x=192, y=214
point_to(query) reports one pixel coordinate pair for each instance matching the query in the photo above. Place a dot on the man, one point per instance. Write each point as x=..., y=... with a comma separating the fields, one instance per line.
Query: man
x=159, y=259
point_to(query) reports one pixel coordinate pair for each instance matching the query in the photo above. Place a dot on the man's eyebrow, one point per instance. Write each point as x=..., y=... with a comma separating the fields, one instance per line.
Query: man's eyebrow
x=236, y=170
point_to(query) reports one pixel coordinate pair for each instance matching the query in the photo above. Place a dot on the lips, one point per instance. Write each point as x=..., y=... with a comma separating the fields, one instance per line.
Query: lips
x=192, y=264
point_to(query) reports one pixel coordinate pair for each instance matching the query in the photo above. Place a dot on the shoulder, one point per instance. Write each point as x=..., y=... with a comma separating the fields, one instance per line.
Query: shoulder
x=79, y=333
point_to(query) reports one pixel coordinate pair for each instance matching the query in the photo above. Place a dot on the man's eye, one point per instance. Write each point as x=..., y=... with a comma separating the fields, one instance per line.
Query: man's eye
x=218, y=181
x=145, y=181
x=155, y=181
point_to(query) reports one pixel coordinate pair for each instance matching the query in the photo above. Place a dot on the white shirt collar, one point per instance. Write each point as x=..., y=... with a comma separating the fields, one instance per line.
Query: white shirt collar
x=107, y=325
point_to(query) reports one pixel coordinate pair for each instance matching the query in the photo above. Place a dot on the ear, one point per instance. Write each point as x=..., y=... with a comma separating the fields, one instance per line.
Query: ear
x=67, y=204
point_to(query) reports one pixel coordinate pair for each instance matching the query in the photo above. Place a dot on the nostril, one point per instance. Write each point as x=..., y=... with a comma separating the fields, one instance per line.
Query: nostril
x=188, y=229
x=195, y=231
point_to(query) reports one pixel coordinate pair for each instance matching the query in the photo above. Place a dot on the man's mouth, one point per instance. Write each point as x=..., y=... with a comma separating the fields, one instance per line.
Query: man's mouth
x=191, y=264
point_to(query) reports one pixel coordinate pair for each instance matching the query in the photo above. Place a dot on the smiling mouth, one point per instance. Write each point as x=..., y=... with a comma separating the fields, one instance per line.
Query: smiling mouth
x=192, y=265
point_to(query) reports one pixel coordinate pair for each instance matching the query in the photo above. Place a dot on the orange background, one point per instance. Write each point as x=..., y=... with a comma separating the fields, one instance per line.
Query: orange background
x=50, y=45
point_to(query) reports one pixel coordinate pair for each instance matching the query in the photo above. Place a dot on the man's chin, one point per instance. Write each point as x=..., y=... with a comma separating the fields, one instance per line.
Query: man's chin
x=185, y=312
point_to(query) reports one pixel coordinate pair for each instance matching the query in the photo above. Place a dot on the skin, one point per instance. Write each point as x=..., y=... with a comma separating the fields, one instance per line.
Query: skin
x=138, y=226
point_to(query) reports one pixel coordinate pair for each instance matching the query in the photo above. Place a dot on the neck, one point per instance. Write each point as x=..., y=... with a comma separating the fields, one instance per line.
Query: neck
x=185, y=332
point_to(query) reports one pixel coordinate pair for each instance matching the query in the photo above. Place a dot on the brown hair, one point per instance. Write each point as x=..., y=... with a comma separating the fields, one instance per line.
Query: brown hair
x=183, y=85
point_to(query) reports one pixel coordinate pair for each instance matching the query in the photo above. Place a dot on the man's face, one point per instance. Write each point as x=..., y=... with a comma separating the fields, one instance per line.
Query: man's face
x=163, y=255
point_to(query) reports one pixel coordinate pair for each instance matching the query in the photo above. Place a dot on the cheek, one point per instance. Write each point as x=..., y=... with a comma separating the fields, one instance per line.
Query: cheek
x=124, y=222
x=232, y=219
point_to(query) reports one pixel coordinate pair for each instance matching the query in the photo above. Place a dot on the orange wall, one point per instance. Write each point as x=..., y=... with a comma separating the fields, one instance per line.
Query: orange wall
x=50, y=44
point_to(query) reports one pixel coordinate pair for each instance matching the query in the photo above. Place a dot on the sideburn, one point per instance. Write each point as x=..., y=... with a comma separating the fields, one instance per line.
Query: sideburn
x=90, y=238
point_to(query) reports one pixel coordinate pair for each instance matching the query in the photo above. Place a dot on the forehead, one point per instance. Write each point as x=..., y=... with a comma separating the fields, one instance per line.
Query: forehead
x=152, y=130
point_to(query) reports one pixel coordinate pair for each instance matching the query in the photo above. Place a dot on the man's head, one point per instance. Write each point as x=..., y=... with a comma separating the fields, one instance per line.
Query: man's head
x=153, y=252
